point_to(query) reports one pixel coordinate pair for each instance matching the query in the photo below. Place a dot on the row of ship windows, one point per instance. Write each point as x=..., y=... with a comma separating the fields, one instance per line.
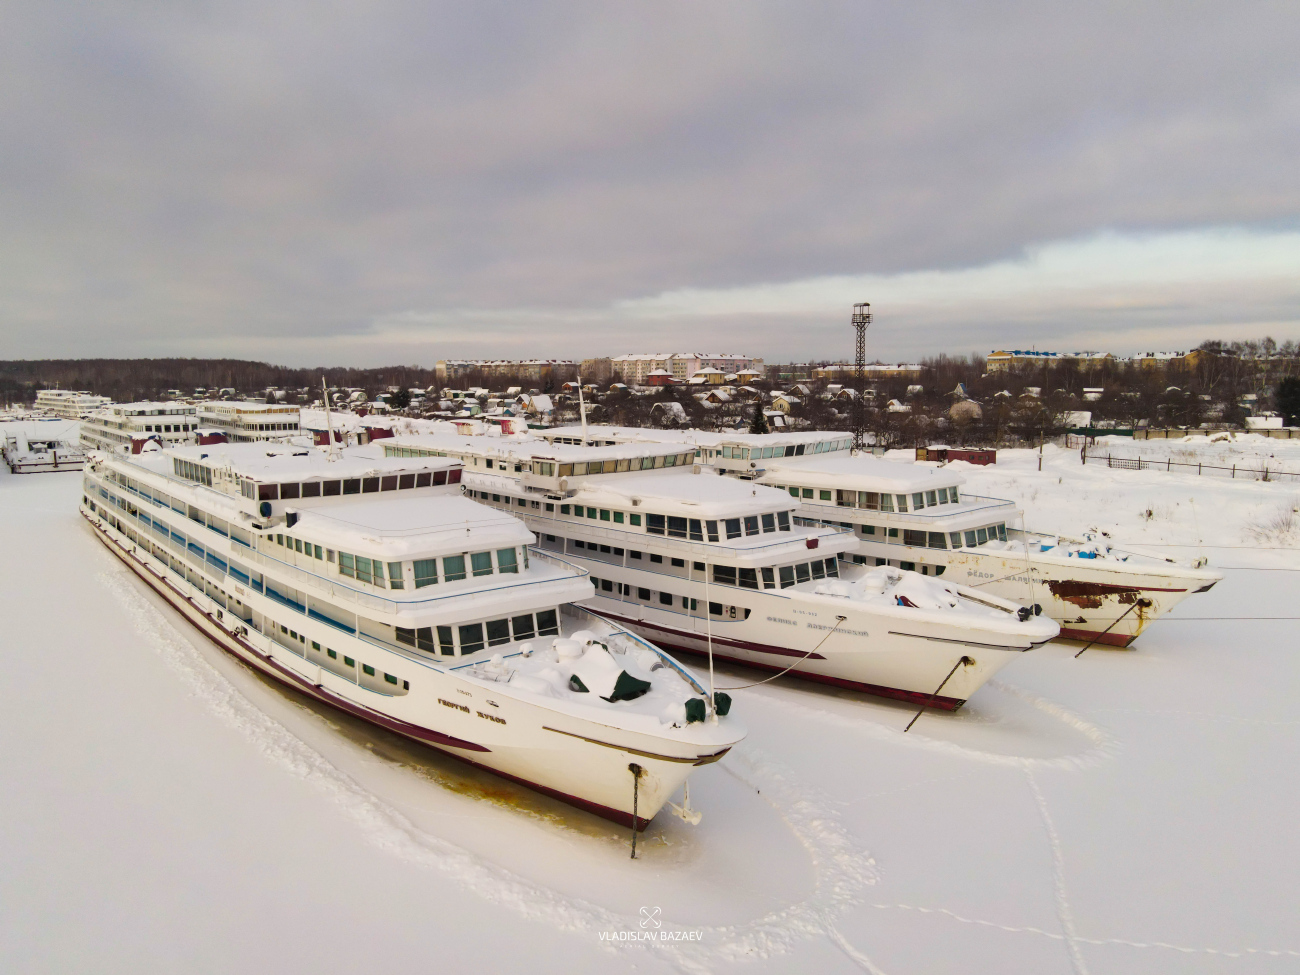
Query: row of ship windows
x=798, y=450
x=424, y=572
x=350, y=485
x=169, y=427
x=723, y=575
x=695, y=529
x=269, y=625
x=342, y=660
x=874, y=501
x=920, y=539
x=471, y=637
x=552, y=469
x=654, y=597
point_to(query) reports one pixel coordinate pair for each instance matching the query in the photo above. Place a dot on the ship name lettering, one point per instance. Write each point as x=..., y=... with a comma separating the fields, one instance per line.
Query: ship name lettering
x=453, y=704
x=491, y=717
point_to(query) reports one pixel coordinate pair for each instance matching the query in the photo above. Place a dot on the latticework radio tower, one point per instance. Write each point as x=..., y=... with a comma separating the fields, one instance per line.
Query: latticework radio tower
x=861, y=319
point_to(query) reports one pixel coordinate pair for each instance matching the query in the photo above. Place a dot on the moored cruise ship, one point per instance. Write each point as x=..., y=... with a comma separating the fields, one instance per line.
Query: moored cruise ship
x=920, y=518
x=693, y=560
x=371, y=584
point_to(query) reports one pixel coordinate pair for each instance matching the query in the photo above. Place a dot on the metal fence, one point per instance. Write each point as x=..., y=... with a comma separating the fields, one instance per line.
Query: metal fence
x=1236, y=471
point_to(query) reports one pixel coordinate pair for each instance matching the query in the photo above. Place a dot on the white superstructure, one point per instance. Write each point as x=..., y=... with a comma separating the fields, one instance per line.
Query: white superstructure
x=694, y=560
x=244, y=421
x=372, y=585
x=70, y=404
x=123, y=427
x=40, y=446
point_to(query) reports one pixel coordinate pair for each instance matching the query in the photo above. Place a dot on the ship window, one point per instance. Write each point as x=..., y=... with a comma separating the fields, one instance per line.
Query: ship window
x=297, y=545
x=697, y=530
x=751, y=525
x=311, y=489
x=953, y=496
x=363, y=569
x=656, y=558
x=352, y=485
x=406, y=481
x=769, y=579
x=902, y=502
x=395, y=575
x=676, y=527
x=390, y=678
x=268, y=492
x=749, y=578
x=606, y=585
x=887, y=502
x=666, y=598
x=832, y=569
x=481, y=563
x=807, y=492
x=931, y=498
x=818, y=569
x=426, y=572
x=943, y=495
x=369, y=485
x=591, y=513
x=970, y=540
x=471, y=637
x=368, y=670
x=918, y=501
x=498, y=632
x=445, y=645
x=453, y=568
x=333, y=654
x=823, y=495
x=712, y=528
x=507, y=560
x=564, y=509
x=604, y=514
x=654, y=524
x=347, y=566
x=523, y=626
x=279, y=540
x=388, y=483
x=1002, y=533
x=724, y=575
x=981, y=536
x=936, y=540
x=642, y=593
x=733, y=527
x=426, y=478
x=794, y=492
x=547, y=624
x=769, y=523
x=715, y=609
x=289, y=491
x=406, y=636
x=330, y=489
x=954, y=539
x=634, y=520
x=679, y=563
x=605, y=549
x=801, y=572
x=913, y=537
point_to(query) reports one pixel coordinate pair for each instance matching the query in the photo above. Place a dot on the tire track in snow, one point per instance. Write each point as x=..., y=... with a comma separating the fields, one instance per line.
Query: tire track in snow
x=841, y=869
x=1123, y=942
x=1063, y=910
x=1104, y=744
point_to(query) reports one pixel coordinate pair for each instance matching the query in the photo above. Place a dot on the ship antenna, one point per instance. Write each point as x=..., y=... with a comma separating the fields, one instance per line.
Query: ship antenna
x=582, y=411
x=861, y=319
x=329, y=422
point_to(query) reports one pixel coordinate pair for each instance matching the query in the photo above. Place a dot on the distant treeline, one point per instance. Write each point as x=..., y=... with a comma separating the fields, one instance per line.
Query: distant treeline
x=125, y=380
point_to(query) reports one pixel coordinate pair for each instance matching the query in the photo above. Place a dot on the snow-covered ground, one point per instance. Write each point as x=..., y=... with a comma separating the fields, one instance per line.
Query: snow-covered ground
x=164, y=809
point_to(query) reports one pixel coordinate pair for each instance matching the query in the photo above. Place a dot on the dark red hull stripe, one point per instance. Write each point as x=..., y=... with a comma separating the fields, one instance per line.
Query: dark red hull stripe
x=738, y=644
x=425, y=736
x=1112, y=639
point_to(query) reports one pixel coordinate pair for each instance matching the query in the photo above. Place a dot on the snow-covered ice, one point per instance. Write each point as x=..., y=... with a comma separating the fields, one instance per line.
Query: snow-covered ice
x=165, y=809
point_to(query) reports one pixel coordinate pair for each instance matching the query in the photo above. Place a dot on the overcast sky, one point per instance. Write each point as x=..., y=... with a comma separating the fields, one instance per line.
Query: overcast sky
x=377, y=182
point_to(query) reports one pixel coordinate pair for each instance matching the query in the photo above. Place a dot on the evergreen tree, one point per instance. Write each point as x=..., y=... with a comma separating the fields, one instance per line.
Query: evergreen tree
x=758, y=423
x=1288, y=400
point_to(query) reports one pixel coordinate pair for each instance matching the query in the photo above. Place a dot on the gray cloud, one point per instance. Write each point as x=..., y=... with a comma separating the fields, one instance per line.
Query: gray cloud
x=314, y=181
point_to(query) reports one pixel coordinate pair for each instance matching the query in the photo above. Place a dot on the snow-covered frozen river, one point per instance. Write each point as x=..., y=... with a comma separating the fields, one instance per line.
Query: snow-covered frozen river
x=165, y=810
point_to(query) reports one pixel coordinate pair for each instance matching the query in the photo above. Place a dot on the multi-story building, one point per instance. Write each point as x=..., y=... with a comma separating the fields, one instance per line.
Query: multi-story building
x=116, y=427
x=69, y=403
x=637, y=367
x=243, y=421
x=843, y=372
x=537, y=371
x=1005, y=361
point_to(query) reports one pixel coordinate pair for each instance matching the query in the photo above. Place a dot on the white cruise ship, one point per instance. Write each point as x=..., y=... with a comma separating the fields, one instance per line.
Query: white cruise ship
x=124, y=428
x=27, y=450
x=372, y=585
x=693, y=560
x=920, y=518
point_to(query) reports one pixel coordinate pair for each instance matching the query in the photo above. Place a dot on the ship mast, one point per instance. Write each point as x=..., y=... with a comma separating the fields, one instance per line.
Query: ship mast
x=861, y=319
